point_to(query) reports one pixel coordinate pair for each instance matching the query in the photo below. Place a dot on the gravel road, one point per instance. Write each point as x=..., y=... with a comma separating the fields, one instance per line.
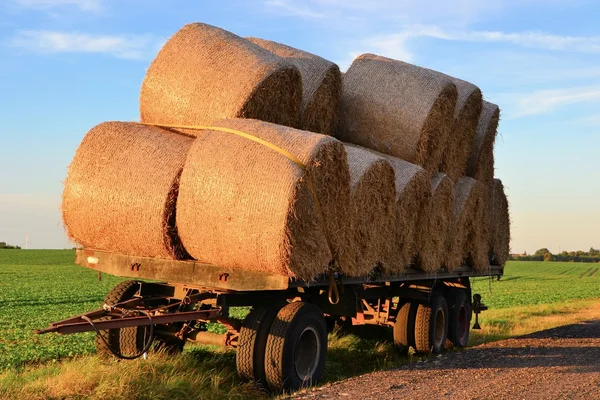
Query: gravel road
x=560, y=363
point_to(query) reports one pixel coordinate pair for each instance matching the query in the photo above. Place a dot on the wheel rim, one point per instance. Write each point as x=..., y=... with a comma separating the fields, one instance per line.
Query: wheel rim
x=463, y=324
x=440, y=323
x=306, y=354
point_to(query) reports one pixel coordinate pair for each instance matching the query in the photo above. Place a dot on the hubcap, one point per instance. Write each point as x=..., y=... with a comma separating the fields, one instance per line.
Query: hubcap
x=307, y=353
x=440, y=323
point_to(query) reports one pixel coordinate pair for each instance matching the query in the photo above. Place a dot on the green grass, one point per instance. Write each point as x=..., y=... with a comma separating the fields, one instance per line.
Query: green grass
x=531, y=283
x=38, y=287
x=41, y=286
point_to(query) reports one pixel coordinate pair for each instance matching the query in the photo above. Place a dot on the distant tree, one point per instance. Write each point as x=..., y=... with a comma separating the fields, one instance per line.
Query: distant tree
x=3, y=245
x=542, y=252
x=594, y=252
x=548, y=256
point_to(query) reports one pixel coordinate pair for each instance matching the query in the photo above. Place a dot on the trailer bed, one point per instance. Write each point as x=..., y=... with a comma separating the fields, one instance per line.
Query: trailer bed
x=194, y=273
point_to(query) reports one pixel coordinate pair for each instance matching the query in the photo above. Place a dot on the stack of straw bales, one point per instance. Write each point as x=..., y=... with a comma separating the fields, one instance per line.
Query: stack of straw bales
x=238, y=162
x=203, y=74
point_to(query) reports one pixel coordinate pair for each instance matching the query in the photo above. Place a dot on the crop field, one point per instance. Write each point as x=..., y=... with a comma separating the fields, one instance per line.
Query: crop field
x=41, y=286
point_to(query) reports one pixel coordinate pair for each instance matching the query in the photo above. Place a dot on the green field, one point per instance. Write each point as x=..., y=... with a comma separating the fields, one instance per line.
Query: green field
x=41, y=286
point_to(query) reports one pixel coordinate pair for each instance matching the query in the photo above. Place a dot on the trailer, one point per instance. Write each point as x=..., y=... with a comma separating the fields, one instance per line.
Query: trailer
x=282, y=343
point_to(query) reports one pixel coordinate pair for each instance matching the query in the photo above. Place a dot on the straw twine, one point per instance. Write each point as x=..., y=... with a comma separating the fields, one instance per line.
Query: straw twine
x=397, y=108
x=373, y=208
x=244, y=205
x=481, y=161
x=204, y=73
x=321, y=83
x=121, y=191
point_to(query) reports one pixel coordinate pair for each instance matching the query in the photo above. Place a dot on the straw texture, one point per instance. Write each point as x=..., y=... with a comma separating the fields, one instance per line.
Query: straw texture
x=468, y=236
x=373, y=208
x=412, y=192
x=321, y=86
x=464, y=128
x=204, y=73
x=398, y=109
x=244, y=205
x=481, y=161
x=499, y=223
x=434, y=223
x=121, y=191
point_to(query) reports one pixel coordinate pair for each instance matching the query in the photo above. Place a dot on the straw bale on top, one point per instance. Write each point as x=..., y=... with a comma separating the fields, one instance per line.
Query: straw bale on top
x=397, y=108
x=481, y=161
x=203, y=74
x=321, y=83
x=464, y=128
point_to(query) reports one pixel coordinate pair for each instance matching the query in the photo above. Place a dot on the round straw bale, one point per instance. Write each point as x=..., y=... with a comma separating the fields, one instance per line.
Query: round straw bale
x=321, y=86
x=121, y=191
x=499, y=223
x=468, y=238
x=373, y=208
x=481, y=161
x=412, y=191
x=434, y=222
x=204, y=73
x=397, y=108
x=464, y=128
x=245, y=205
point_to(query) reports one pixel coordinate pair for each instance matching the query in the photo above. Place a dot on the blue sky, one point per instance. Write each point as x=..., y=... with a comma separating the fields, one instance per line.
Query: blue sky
x=67, y=65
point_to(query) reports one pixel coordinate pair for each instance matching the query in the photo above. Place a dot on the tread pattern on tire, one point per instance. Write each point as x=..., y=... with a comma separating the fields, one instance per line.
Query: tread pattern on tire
x=423, y=329
x=275, y=343
x=126, y=340
x=404, y=326
x=422, y=322
x=249, y=363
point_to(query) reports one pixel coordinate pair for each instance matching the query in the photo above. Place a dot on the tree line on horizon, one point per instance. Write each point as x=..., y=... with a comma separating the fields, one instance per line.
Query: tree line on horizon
x=3, y=245
x=543, y=254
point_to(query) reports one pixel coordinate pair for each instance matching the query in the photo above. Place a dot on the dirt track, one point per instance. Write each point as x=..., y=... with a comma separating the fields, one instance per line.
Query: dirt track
x=560, y=363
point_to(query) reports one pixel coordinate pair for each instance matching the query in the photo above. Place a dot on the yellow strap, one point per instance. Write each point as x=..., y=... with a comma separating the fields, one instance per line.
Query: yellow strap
x=245, y=135
x=271, y=146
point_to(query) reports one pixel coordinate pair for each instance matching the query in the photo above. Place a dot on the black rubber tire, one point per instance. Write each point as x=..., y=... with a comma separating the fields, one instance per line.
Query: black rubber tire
x=252, y=340
x=296, y=323
x=430, y=337
x=404, y=327
x=459, y=324
x=124, y=341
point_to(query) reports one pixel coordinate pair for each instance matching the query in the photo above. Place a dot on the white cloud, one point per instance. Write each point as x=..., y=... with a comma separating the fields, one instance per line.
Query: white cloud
x=538, y=40
x=84, y=5
x=546, y=101
x=121, y=46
